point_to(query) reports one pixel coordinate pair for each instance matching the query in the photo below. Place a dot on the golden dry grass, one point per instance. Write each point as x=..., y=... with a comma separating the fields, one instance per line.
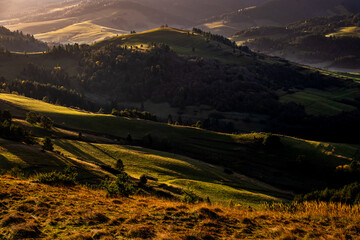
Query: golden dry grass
x=29, y=209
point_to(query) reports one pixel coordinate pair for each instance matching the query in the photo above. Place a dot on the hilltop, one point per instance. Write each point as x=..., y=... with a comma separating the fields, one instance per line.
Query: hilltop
x=19, y=42
x=328, y=41
x=279, y=13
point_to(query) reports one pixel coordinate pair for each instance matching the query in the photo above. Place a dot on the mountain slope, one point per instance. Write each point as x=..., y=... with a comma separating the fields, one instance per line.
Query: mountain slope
x=280, y=13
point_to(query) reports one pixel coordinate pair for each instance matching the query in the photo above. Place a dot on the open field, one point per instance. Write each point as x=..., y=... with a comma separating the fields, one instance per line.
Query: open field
x=317, y=102
x=80, y=213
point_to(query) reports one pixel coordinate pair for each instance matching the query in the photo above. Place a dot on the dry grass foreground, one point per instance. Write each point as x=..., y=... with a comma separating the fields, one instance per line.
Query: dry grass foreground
x=32, y=210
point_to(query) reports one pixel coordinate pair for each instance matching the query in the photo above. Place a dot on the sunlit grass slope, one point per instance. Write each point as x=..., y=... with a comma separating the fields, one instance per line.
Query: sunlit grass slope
x=181, y=41
x=317, y=102
x=204, y=179
x=117, y=126
x=83, y=32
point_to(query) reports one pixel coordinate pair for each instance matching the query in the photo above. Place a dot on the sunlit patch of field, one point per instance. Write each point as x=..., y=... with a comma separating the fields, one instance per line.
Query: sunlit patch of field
x=41, y=26
x=317, y=102
x=346, y=32
x=84, y=32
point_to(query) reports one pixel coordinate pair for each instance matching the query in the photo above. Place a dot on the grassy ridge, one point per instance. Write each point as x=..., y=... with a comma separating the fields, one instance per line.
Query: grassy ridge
x=240, y=152
x=182, y=42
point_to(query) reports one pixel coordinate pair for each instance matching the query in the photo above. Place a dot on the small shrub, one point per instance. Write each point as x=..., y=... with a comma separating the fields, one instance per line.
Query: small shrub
x=120, y=165
x=190, y=197
x=143, y=180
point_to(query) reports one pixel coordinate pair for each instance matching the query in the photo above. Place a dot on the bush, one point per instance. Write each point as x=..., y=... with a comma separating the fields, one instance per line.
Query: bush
x=120, y=165
x=65, y=178
x=143, y=180
x=190, y=197
x=120, y=187
x=272, y=141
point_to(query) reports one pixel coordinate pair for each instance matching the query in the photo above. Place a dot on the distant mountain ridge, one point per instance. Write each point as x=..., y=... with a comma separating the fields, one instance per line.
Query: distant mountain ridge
x=119, y=15
x=282, y=12
x=333, y=41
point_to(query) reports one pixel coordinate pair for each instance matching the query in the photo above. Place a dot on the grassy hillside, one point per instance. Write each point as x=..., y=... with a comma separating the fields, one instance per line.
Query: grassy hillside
x=318, y=102
x=81, y=213
x=239, y=152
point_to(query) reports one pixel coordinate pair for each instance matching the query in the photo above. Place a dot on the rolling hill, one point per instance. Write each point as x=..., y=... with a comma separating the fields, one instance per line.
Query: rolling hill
x=243, y=153
x=329, y=42
x=244, y=91
x=279, y=13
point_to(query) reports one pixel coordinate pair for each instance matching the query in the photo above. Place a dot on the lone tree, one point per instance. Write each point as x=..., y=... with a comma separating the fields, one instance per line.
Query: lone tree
x=32, y=117
x=47, y=144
